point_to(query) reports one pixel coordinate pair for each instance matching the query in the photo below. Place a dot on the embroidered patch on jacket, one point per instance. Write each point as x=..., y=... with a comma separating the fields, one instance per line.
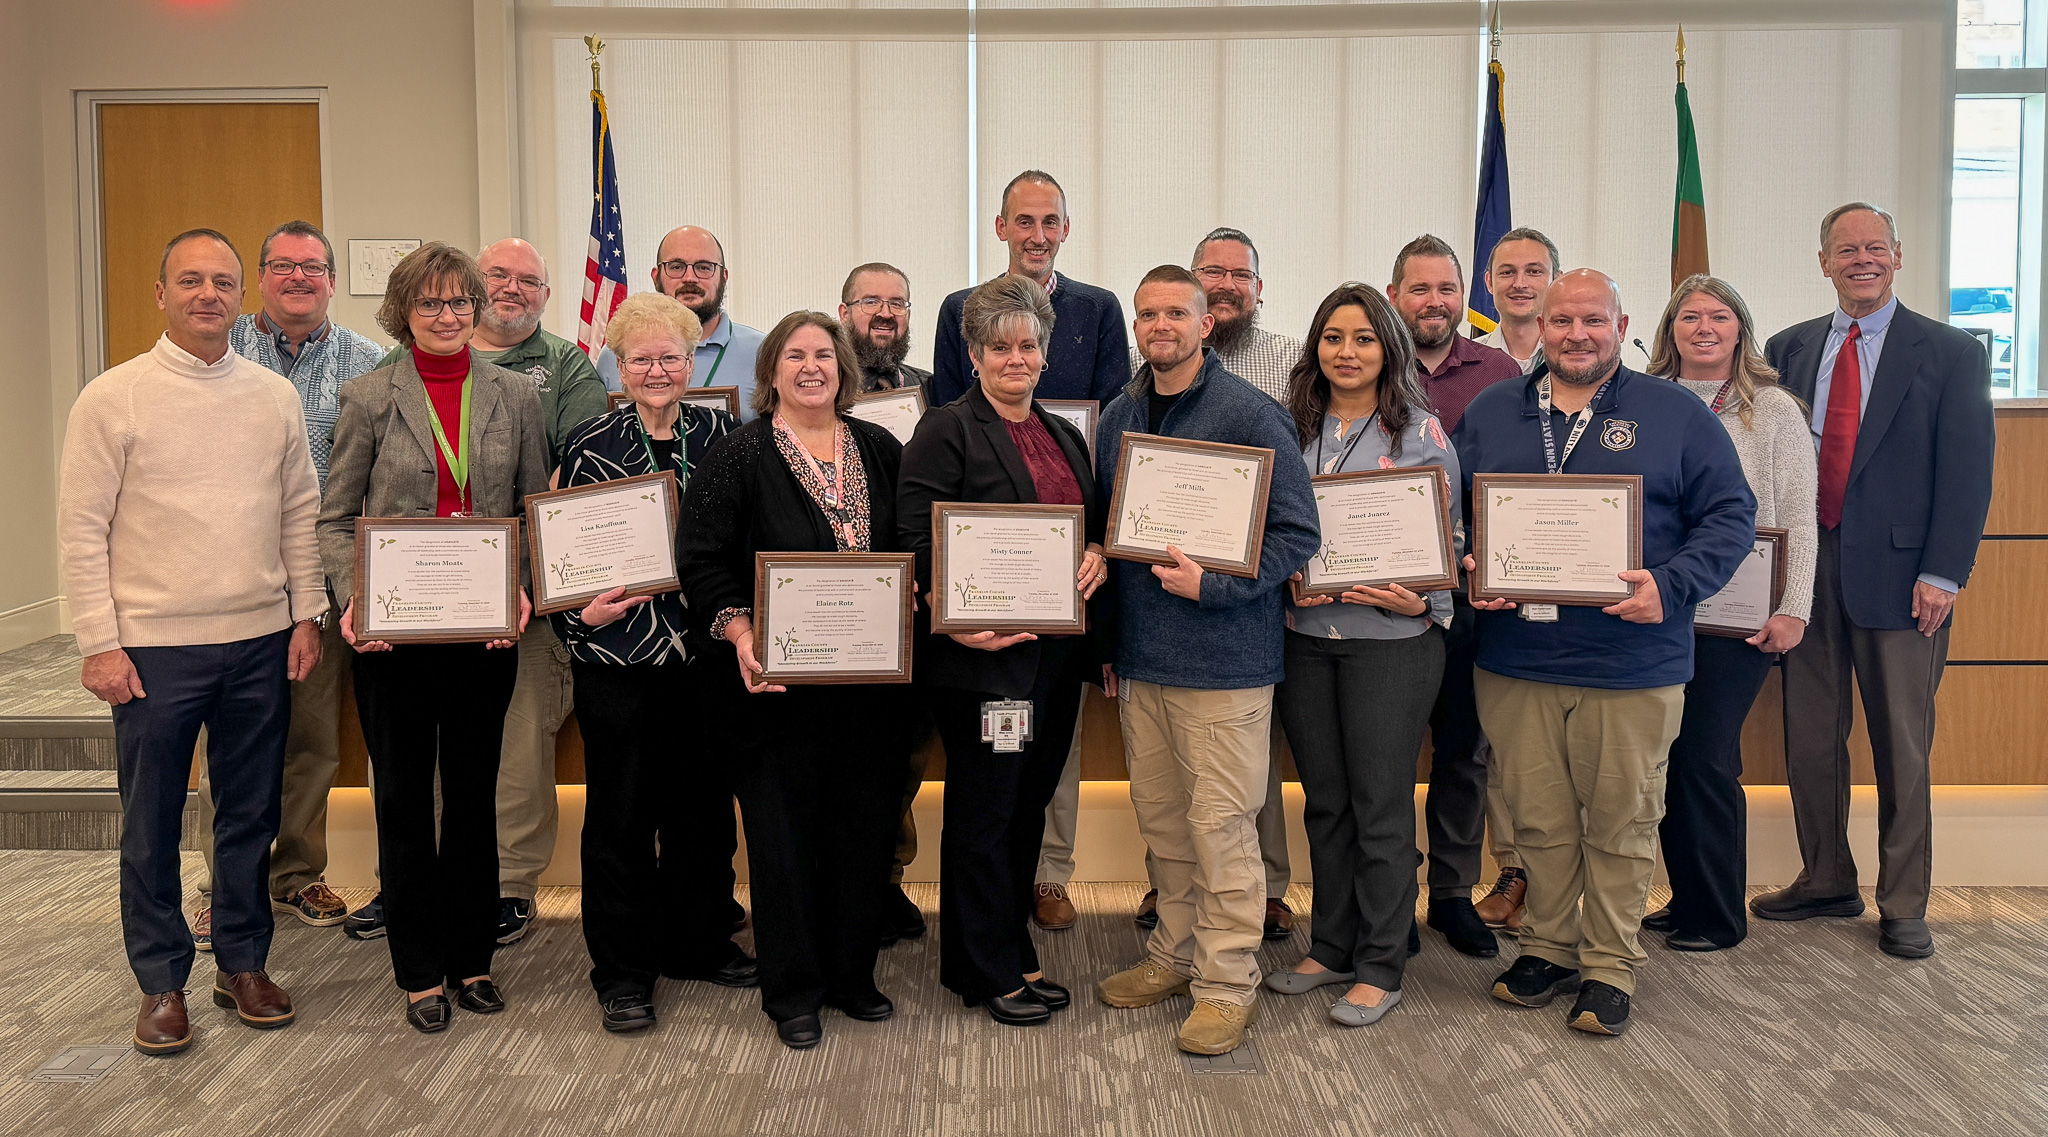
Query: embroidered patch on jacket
x=540, y=376
x=1618, y=434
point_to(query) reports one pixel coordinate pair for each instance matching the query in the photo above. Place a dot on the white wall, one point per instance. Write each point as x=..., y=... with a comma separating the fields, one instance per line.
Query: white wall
x=28, y=567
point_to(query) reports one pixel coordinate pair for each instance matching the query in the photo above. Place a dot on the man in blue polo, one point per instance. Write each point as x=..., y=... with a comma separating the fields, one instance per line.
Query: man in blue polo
x=1582, y=703
x=689, y=265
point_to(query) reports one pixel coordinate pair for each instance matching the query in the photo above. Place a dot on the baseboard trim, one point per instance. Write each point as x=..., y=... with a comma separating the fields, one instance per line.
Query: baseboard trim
x=28, y=623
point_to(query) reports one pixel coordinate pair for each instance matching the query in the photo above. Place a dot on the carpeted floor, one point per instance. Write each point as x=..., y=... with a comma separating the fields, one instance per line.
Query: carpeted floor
x=1804, y=1029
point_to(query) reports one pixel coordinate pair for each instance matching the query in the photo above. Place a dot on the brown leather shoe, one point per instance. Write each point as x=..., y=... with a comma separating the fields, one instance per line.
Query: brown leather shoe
x=162, y=1027
x=256, y=1000
x=1279, y=920
x=1502, y=908
x=1050, y=908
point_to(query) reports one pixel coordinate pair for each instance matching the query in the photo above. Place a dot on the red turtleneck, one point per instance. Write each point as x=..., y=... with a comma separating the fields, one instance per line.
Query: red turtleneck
x=443, y=376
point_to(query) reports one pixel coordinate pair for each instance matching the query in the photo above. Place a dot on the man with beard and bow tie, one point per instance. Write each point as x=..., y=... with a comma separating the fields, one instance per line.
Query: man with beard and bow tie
x=689, y=267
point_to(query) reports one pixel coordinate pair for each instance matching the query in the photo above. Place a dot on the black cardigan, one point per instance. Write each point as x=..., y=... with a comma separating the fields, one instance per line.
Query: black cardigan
x=963, y=452
x=745, y=500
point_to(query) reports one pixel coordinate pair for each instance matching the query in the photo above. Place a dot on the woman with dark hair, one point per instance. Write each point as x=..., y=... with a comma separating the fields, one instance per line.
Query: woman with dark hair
x=1707, y=342
x=1362, y=669
x=818, y=769
x=436, y=434
x=996, y=444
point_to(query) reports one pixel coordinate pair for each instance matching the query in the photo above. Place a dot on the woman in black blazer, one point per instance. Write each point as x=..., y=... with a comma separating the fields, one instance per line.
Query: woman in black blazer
x=818, y=770
x=995, y=444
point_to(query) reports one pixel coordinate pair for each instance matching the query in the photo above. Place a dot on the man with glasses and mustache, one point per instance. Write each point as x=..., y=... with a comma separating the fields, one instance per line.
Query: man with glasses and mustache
x=292, y=335
x=874, y=304
x=1428, y=290
x=689, y=266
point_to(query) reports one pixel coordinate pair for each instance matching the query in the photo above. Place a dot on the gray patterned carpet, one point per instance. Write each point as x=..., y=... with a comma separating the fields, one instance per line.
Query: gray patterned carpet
x=1804, y=1029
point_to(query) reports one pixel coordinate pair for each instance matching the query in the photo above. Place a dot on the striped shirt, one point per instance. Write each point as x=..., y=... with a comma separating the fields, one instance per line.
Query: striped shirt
x=330, y=357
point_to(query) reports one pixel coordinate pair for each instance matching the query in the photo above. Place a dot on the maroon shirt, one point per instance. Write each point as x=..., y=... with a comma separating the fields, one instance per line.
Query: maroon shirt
x=1469, y=369
x=1051, y=475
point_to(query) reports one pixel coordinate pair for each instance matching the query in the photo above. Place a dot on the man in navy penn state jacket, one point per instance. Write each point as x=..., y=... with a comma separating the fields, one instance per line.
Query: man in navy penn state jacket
x=1582, y=703
x=1198, y=654
x=1086, y=356
x=1903, y=426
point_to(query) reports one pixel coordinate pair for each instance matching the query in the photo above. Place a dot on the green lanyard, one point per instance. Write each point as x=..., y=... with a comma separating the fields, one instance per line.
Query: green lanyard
x=713, y=373
x=682, y=449
x=456, y=456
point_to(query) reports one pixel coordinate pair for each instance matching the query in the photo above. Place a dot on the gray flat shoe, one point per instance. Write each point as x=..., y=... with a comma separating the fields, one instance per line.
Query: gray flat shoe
x=1343, y=1012
x=1297, y=983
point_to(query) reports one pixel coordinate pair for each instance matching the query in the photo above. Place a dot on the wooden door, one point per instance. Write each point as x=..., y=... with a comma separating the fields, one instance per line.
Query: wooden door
x=241, y=168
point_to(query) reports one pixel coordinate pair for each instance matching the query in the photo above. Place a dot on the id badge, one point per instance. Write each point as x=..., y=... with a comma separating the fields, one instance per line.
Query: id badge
x=1538, y=613
x=1006, y=724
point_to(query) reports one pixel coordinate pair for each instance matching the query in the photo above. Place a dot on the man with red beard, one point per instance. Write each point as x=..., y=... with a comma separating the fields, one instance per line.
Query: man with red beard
x=1428, y=290
x=689, y=267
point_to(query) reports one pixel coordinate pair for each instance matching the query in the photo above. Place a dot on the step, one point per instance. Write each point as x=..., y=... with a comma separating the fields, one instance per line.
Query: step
x=57, y=742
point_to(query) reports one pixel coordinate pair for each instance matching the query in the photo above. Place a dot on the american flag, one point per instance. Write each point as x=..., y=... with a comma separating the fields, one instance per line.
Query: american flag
x=604, y=269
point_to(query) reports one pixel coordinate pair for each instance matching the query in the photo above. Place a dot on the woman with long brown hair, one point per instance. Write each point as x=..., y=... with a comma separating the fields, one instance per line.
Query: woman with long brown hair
x=1707, y=342
x=1363, y=669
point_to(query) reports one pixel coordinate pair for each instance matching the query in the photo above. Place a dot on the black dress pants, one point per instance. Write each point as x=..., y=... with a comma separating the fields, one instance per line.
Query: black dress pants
x=1705, y=834
x=429, y=708
x=1455, y=810
x=657, y=827
x=995, y=824
x=819, y=792
x=1354, y=711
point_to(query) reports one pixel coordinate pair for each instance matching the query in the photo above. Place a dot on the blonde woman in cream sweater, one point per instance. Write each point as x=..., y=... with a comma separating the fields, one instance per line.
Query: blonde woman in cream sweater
x=186, y=520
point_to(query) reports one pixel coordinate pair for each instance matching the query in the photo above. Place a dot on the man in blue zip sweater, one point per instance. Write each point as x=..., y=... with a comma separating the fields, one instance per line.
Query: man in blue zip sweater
x=1582, y=703
x=1198, y=654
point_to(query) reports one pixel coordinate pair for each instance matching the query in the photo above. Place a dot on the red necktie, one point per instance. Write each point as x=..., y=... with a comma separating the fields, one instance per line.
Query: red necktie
x=1838, y=429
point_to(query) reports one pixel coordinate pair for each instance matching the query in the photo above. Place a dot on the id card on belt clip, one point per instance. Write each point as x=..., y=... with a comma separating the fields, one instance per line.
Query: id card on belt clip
x=1538, y=613
x=1006, y=724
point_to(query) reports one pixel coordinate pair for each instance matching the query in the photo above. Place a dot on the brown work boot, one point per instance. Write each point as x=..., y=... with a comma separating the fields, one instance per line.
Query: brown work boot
x=1279, y=920
x=259, y=1002
x=162, y=1027
x=1502, y=908
x=1141, y=986
x=1216, y=1028
x=1050, y=908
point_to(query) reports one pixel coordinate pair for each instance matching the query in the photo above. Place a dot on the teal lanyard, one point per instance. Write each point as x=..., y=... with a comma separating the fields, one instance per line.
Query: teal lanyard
x=715, y=364
x=682, y=449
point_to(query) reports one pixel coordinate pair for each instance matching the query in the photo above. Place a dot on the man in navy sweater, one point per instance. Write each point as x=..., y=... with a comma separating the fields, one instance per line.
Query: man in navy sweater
x=1086, y=358
x=1198, y=654
x=1582, y=703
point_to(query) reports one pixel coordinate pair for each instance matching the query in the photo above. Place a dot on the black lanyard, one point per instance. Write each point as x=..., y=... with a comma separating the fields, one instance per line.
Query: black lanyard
x=1349, y=445
x=1552, y=462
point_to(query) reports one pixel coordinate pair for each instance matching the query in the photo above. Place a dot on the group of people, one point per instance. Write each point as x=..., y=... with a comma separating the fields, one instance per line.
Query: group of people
x=211, y=490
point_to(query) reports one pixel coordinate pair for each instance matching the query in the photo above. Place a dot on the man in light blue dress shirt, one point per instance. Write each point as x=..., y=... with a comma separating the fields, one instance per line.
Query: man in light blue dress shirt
x=689, y=266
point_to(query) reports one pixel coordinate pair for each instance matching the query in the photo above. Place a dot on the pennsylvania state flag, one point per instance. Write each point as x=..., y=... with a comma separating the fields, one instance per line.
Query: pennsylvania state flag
x=1493, y=218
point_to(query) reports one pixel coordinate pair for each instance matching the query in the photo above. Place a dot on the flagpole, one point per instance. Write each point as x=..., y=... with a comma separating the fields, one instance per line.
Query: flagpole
x=1681, y=53
x=1493, y=46
x=596, y=47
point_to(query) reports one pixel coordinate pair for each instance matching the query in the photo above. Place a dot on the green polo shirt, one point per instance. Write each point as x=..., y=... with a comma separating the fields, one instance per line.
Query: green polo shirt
x=570, y=391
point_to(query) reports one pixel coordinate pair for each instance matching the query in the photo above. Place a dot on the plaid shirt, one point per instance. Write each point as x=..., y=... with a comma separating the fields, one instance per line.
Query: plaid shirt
x=1264, y=359
x=330, y=357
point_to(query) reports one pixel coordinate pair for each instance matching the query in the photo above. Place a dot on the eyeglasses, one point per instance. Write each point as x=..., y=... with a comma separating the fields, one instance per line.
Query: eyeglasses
x=314, y=270
x=498, y=277
x=641, y=365
x=704, y=269
x=432, y=305
x=1212, y=274
x=871, y=304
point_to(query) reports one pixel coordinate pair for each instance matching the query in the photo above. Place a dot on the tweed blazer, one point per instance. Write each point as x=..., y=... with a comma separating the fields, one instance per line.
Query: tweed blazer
x=384, y=460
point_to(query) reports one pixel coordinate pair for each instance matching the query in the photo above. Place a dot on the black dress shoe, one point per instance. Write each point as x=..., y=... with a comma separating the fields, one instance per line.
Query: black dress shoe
x=1454, y=917
x=1414, y=939
x=1020, y=1009
x=430, y=1015
x=1660, y=921
x=739, y=970
x=1686, y=941
x=1051, y=994
x=801, y=1032
x=1907, y=939
x=628, y=1012
x=869, y=1008
x=1788, y=904
x=901, y=918
x=480, y=997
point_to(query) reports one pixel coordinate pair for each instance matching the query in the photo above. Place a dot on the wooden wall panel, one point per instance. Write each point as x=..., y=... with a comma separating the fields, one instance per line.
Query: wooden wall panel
x=2003, y=613
x=2019, y=480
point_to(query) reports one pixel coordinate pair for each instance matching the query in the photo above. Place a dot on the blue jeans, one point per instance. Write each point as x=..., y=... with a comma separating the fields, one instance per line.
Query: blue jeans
x=239, y=691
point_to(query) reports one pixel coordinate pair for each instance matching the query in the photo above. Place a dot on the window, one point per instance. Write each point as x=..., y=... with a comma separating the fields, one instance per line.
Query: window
x=1995, y=231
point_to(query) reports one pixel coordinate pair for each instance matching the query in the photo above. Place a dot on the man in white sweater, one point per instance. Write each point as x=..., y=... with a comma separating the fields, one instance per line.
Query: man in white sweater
x=186, y=518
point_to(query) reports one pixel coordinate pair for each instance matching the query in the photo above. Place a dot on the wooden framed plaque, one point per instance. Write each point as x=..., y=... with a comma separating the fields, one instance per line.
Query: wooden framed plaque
x=1741, y=608
x=1206, y=498
x=833, y=617
x=437, y=580
x=1556, y=538
x=588, y=540
x=1007, y=568
x=725, y=399
x=1085, y=414
x=619, y=399
x=897, y=410
x=1382, y=527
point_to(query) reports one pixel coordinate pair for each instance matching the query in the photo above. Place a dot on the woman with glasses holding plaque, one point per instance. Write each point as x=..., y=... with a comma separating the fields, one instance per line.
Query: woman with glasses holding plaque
x=1707, y=342
x=819, y=768
x=1362, y=669
x=657, y=825
x=996, y=445
x=436, y=434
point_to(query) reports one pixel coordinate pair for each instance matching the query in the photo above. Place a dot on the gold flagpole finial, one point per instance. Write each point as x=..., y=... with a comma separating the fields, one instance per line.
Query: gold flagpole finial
x=596, y=47
x=1681, y=53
